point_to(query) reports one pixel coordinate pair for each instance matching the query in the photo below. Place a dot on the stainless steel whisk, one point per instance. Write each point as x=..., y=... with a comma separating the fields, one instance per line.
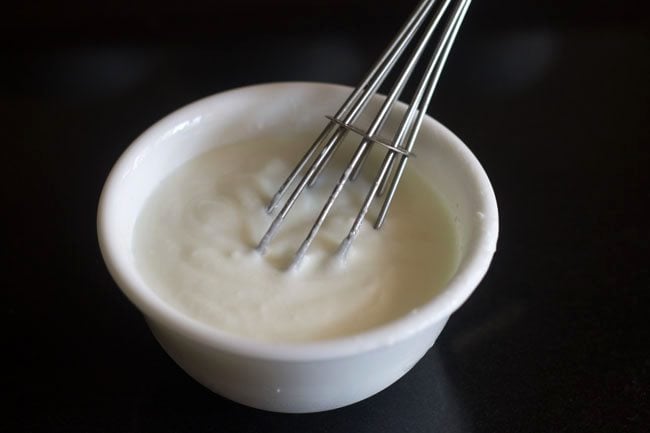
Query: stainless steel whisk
x=400, y=147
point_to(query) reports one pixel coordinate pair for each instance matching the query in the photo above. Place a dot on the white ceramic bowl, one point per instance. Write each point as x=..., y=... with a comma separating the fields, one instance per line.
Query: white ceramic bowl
x=304, y=377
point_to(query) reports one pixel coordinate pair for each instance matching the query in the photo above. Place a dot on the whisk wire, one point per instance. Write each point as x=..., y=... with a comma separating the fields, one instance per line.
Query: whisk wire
x=361, y=152
x=431, y=78
x=396, y=91
x=343, y=122
x=359, y=98
x=400, y=133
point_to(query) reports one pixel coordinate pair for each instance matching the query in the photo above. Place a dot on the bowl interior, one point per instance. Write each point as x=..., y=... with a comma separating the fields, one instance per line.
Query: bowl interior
x=289, y=109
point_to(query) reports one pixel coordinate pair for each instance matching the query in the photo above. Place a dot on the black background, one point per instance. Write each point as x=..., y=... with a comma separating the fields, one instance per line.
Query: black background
x=552, y=97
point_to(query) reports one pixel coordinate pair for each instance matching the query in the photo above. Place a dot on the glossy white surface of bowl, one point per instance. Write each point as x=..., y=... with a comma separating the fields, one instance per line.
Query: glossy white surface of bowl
x=305, y=377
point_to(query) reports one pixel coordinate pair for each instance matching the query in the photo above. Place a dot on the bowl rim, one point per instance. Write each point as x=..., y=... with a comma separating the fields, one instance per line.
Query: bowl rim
x=469, y=274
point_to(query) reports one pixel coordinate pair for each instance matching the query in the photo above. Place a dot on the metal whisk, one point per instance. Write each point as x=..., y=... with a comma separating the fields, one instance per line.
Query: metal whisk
x=399, y=148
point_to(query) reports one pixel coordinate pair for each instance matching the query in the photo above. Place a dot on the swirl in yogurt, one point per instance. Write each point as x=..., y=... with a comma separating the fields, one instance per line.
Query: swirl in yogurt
x=194, y=245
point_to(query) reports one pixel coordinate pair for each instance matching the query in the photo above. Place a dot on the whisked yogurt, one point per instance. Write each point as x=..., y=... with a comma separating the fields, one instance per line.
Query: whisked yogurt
x=194, y=245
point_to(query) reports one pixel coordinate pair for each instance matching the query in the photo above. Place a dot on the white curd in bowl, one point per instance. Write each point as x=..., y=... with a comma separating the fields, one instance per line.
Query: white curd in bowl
x=194, y=243
x=177, y=234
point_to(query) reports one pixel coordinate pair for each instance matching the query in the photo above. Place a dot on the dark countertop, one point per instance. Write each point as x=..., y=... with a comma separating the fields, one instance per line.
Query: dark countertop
x=557, y=336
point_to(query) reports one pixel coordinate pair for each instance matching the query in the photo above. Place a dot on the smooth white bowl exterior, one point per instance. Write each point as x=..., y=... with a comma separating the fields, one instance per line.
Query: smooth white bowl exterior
x=305, y=377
